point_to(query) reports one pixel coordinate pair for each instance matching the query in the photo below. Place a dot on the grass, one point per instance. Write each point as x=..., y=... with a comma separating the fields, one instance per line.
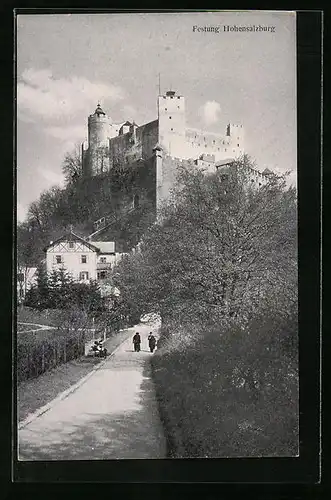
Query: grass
x=34, y=393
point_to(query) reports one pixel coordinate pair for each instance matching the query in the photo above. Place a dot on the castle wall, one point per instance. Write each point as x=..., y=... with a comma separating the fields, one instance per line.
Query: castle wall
x=167, y=169
x=131, y=147
x=222, y=147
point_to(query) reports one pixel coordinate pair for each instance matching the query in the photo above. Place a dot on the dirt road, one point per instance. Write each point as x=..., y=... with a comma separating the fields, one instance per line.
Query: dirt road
x=111, y=415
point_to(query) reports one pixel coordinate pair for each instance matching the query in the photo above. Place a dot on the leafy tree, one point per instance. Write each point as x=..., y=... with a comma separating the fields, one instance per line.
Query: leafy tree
x=218, y=250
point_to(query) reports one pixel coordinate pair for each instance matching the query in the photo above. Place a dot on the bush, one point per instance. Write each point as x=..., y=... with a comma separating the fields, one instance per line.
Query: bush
x=229, y=392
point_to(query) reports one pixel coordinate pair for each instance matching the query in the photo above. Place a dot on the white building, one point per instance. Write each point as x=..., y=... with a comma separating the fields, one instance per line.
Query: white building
x=83, y=260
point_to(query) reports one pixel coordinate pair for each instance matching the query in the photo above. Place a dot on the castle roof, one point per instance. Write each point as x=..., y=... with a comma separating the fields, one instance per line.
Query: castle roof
x=99, y=110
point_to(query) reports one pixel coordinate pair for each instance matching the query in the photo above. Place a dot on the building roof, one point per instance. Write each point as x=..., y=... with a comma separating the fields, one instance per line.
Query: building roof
x=105, y=246
x=226, y=161
x=71, y=236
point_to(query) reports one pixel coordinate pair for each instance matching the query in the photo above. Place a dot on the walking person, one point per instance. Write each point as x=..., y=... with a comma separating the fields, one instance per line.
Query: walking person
x=151, y=341
x=136, y=342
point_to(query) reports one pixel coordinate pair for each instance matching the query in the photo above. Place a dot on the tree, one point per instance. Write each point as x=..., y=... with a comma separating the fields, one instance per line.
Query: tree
x=219, y=248
x=72, y=166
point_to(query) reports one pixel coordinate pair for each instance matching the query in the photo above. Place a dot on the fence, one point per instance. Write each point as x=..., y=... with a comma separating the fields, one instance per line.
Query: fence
x=36, y=354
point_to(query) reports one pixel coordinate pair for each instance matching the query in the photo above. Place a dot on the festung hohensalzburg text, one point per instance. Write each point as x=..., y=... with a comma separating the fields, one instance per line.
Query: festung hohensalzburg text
x=227, y=27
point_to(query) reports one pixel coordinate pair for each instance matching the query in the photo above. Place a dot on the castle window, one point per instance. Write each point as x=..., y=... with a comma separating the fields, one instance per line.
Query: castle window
x=219, y=149
x=171, y=97
x=238, y=145
x=166, y=109
x=213, y=142
x=103, y=260
x=136, y=201
x=171, y=129
x=169, y=117
x=84, y=259
x=178, y=97
x=225, y=149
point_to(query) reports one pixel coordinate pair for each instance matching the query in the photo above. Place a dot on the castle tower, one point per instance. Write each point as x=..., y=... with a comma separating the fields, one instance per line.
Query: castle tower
x=236, y=135
x=98, y=133
x=171, y=116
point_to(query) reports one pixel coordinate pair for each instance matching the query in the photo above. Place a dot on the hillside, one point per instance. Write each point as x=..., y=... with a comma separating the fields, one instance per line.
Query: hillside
x=81, y=203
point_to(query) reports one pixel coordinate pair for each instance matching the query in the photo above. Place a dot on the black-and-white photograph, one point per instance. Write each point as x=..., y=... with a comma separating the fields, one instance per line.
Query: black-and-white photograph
x=157, y=280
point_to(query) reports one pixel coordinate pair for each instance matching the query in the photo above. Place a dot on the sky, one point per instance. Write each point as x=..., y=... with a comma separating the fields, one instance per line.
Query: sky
x=67, y=63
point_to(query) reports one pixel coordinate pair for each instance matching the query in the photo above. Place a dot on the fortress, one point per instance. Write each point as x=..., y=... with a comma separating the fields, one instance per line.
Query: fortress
x=166, y=140
x=152, y=153
x=110, y=143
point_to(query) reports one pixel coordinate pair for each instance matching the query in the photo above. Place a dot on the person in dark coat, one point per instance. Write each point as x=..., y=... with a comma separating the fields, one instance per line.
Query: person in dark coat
x=151, y=341
x=136, y=342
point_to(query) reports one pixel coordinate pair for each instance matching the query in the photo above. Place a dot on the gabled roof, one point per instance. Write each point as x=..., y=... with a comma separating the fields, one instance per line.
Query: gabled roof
x=71, y=236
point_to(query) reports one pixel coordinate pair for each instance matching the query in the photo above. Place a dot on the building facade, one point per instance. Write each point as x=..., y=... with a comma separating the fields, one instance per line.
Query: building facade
x=83, y=260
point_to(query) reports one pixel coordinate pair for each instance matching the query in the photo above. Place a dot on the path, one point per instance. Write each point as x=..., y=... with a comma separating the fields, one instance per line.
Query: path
x=112, y=414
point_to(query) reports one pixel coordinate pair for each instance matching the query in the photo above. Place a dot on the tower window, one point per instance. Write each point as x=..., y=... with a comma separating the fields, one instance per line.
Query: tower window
x=178, y=107
x=219, y=149
x=166, y=109
x=178, y=97
x=169, y=117
x=171, y=129
x=238, y=145
x=171, y=97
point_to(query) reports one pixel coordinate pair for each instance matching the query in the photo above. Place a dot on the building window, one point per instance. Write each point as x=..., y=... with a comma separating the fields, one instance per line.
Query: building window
x=166, y=109
x=84, y=259
x=58, y=259
x=171, y=129
x=169, y=117
x=83, y=275
x=103, y=260
x=178, y=97
x=102, y=275
x=238, y=145
x=71, y=244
